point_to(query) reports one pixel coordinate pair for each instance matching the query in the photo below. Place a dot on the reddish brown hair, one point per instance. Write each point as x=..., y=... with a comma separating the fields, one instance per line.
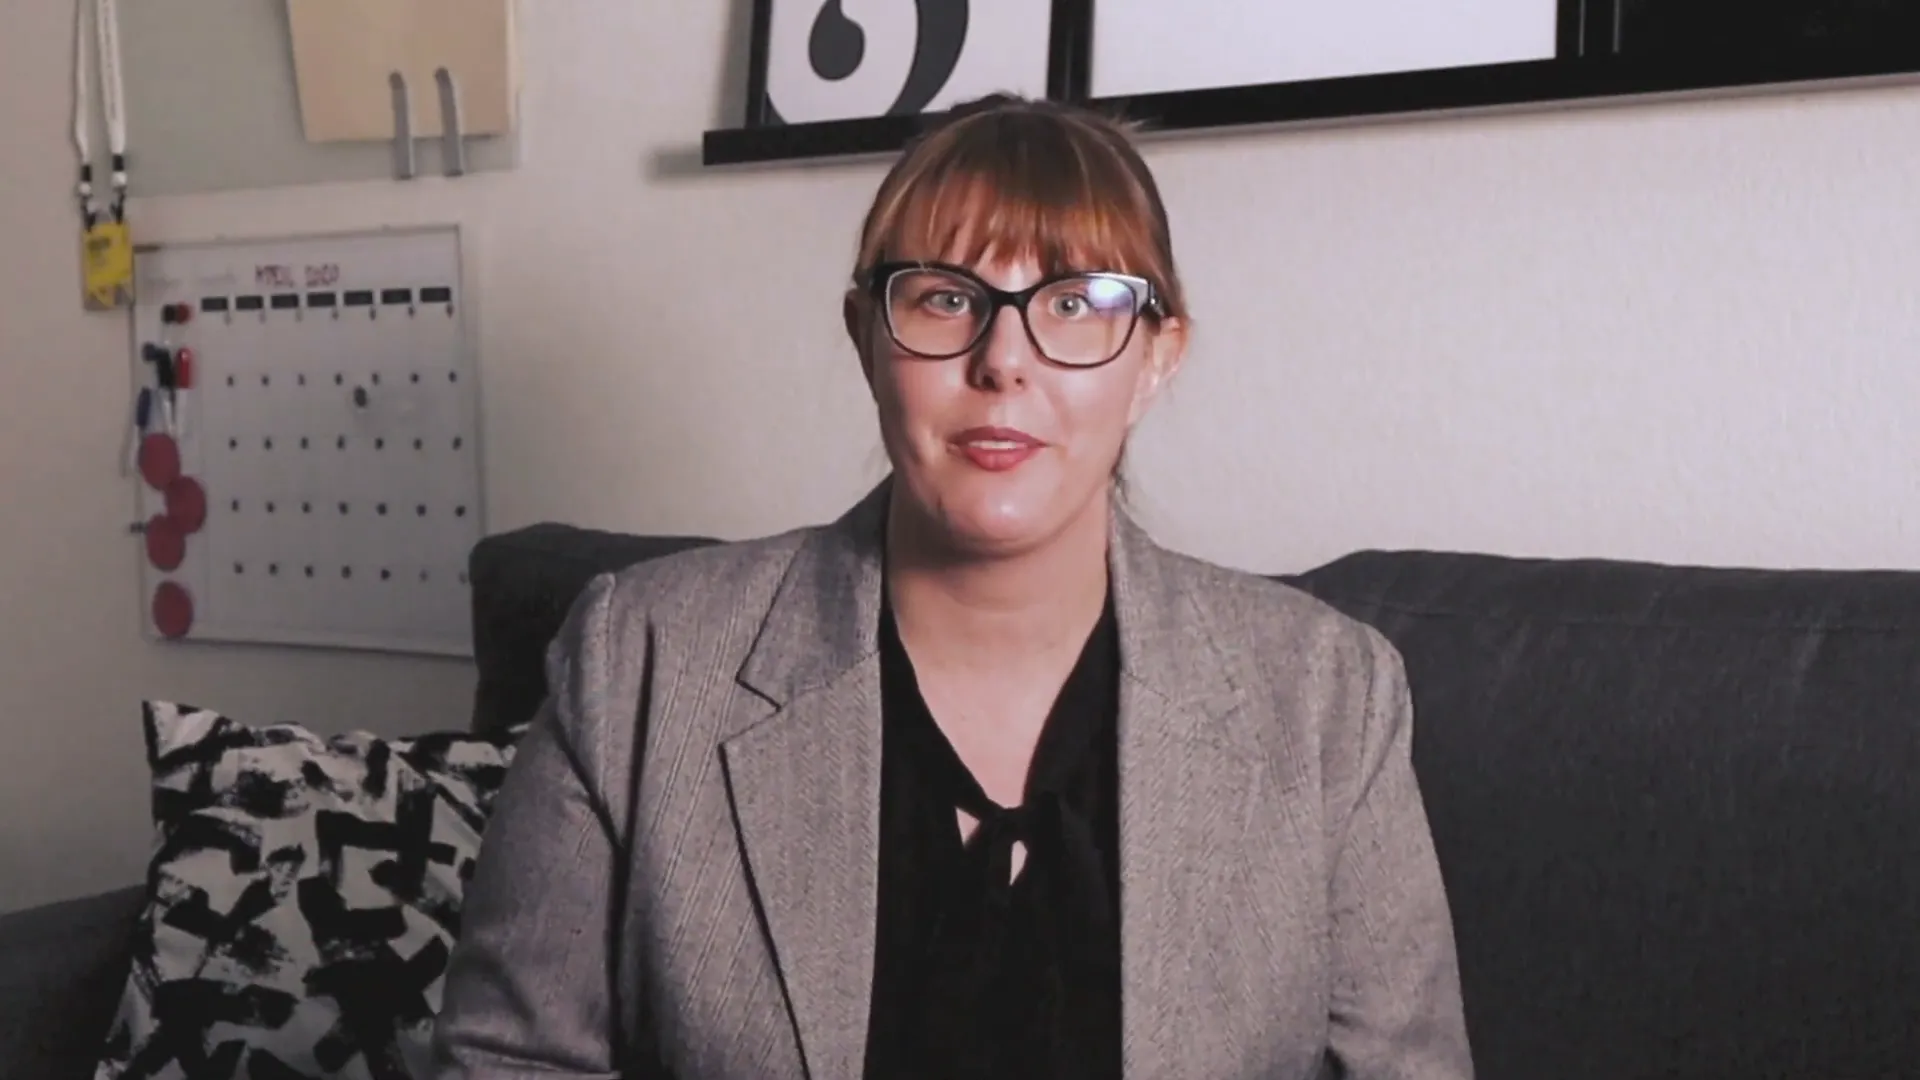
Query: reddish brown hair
x=1009, y=177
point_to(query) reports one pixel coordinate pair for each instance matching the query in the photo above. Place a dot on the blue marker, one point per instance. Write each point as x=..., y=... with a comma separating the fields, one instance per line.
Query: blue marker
x=142, y=417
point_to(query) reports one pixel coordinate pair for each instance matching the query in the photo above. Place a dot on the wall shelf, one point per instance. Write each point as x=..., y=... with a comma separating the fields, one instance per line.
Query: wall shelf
x=1545, y=83
x=796, y=142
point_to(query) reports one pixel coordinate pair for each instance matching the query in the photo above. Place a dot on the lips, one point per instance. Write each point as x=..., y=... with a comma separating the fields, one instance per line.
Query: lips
x=996, y=449
x=998, y=438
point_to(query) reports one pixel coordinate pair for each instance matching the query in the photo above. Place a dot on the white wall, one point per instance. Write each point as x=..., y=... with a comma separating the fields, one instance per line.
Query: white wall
x=1679, y=332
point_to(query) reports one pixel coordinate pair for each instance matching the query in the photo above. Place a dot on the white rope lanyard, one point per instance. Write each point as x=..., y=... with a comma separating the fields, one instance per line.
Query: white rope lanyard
x=105, y=42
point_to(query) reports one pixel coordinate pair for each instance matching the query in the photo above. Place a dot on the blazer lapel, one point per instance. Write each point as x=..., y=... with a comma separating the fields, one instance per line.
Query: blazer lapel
x=1188, y=787
x=805, y=785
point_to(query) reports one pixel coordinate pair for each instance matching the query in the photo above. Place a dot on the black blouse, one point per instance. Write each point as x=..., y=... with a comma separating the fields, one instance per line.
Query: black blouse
x=977, y=976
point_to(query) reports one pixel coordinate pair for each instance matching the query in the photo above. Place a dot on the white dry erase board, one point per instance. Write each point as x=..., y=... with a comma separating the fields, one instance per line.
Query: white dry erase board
x=332, y=425
x=1151, y=46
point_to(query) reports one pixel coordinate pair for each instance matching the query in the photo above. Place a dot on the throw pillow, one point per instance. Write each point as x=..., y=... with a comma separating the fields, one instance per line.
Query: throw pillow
x=302, y=898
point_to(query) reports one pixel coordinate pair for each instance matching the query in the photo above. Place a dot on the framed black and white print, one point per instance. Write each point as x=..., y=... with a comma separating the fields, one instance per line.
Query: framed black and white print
x=1724, y=29
x=1158, y=46
x=834, y=78
x=818, y=60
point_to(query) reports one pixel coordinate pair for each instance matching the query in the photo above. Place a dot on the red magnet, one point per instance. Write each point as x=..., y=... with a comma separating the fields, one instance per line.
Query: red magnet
x=166, y=544
x=159, y=460
x=172, y=610
x=187, y=504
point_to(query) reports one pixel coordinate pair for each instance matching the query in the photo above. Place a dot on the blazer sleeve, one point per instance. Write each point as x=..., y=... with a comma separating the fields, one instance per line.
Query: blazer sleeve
x=1396, y=1012
x=530, y=983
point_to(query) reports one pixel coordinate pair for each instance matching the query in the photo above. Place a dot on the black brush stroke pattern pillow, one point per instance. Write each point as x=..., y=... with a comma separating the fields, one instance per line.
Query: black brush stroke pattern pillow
x=302, y=898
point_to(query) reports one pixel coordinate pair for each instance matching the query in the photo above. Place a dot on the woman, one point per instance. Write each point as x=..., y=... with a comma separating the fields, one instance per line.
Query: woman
x=976, y=781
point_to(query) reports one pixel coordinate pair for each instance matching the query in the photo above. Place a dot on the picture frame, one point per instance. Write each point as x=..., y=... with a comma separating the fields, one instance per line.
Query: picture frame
x=1760, y=28
x=1218, y=65
x=1143, y=47
x=814, y=61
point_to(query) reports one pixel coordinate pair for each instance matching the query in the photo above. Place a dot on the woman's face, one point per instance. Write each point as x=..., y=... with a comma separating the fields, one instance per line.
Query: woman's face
x=1001, y=449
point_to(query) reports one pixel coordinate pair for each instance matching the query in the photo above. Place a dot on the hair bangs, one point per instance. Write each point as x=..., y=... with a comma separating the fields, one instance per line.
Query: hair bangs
x=1002, y=190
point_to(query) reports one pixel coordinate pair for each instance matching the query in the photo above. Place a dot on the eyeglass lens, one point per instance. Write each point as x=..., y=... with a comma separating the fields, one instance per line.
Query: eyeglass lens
x=1081, y=320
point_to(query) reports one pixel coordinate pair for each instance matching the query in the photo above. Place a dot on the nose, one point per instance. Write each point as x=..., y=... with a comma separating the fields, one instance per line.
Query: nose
x=1005, y=353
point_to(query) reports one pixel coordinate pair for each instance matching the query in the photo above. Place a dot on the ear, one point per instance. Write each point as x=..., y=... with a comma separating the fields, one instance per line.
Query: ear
x=854, y=312
x=1166, y=350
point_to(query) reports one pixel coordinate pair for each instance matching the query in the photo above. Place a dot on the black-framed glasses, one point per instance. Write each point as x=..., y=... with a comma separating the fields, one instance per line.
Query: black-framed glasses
x=938, y=311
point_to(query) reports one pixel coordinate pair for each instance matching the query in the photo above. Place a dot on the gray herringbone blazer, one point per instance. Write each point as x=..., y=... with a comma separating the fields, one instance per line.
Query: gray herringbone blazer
x=709, y=915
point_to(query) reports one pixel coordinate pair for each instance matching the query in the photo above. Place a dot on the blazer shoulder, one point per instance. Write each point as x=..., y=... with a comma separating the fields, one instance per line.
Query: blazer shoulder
x=604, y=655
x=605, y=637
x=1305, y=653
x=1332, y=688
x=722, y=577
x=1272, y=611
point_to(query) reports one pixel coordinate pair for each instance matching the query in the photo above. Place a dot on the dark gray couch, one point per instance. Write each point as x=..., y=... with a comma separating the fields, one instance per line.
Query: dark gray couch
x=1678, y=810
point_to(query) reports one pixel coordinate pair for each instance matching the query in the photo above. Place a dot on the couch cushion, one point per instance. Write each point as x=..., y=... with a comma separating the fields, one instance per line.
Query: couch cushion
x=302, y=900
x=62, y=967
x=523, y=583
x=1676, y=809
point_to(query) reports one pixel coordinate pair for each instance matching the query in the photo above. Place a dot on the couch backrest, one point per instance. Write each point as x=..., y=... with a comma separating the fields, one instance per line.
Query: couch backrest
x=524, y=582
x=1678, y=810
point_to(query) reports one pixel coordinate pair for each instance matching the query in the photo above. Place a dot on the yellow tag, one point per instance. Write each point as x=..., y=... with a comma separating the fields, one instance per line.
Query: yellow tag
x=107, y=256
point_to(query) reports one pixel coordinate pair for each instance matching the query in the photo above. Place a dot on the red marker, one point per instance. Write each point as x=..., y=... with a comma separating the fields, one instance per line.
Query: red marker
x=182, y=381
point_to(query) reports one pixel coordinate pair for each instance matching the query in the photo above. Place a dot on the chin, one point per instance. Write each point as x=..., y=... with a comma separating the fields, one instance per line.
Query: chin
x=995, y=530
x=996, y=517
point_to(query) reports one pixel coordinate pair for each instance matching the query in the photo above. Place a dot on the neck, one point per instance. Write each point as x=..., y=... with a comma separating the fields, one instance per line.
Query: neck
x=994, y=614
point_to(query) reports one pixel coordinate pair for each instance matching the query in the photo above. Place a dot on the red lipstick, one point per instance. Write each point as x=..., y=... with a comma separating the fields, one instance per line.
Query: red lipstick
x=996, y=449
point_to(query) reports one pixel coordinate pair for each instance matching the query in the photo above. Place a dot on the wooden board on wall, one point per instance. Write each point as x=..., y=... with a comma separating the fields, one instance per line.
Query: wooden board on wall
x=212, y=106
x=344, y=51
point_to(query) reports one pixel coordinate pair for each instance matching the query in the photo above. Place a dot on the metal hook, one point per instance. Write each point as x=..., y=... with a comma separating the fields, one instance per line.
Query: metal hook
x=403, y=165
x=453, y=154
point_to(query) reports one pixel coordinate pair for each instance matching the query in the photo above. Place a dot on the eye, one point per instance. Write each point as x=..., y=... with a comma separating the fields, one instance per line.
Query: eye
x=1069, y=305
x=1088, y=297
x=947, y=301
